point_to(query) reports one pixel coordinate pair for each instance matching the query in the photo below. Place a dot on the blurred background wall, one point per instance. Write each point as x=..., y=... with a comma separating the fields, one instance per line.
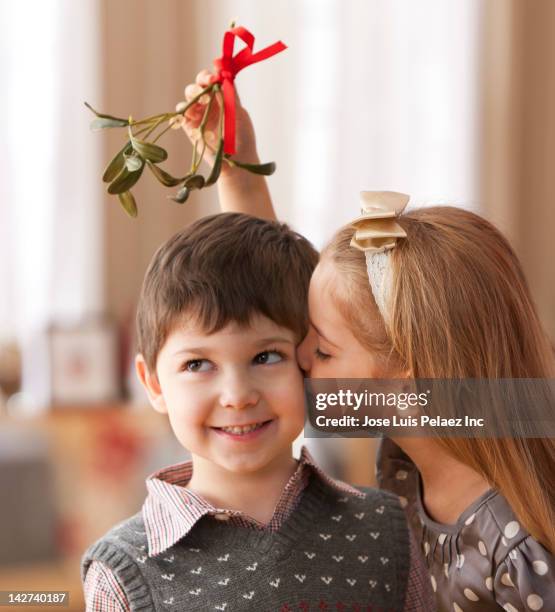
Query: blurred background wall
x=368, y=94
x=451, y=102
x=518, y=137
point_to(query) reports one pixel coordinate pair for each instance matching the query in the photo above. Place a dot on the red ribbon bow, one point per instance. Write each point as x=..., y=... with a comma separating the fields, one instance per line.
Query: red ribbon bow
x=228, y=66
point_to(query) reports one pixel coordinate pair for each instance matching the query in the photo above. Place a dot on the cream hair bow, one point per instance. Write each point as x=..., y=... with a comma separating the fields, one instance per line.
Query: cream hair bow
x=376, y=233
x=376, y=228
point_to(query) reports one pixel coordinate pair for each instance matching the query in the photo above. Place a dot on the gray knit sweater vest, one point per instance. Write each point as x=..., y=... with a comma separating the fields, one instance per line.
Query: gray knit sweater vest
x=332, y=553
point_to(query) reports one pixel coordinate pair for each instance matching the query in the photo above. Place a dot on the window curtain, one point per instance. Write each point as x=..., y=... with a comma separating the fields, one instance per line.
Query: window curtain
x=388, y=98
x=518, y=181
x=50, y=213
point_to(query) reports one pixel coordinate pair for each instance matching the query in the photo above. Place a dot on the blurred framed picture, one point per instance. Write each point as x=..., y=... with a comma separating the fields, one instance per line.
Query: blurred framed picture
x=84, y=363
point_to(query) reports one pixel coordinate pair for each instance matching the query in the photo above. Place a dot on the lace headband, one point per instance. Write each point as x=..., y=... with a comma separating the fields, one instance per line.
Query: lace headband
x=376, y=233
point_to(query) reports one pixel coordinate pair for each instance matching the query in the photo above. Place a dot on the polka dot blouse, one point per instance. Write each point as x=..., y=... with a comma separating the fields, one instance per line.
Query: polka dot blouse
x=486, y=560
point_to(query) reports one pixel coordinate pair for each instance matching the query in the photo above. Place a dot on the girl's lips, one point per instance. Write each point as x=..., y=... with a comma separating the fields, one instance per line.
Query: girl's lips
x=251, y=435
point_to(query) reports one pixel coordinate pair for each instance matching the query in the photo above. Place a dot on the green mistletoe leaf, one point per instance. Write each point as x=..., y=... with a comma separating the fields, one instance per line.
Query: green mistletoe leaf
x=116, y=165
x=128, y=202
x=164, y=177
x=217, y=167
x=101, y=123
x=123, y=122
x=125, y=180
x=196, y=181
x=181, y=196
x=265, y=169
x=149, y=151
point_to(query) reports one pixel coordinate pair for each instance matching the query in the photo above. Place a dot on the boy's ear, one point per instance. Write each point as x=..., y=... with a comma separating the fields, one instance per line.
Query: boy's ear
x=150, y=384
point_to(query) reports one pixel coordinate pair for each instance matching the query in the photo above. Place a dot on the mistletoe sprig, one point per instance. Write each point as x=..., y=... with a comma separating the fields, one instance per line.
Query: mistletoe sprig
x=141, y=148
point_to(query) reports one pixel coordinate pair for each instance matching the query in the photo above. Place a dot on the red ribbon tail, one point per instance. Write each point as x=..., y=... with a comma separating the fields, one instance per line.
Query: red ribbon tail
x=228, y=67
x=229, y=117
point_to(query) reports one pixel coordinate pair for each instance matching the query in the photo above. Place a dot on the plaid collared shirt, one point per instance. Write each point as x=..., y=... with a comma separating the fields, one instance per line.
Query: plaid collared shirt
x=170, y=511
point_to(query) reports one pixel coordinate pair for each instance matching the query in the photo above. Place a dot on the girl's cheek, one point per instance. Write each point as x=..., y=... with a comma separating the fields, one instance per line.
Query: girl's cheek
x=322, y=369
x=304, y=354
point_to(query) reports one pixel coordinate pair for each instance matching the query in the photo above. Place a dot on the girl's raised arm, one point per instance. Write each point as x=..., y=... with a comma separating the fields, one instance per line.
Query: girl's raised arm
x=238, y=190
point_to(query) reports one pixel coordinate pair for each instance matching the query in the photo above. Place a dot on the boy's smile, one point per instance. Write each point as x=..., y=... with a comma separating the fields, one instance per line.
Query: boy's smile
x=234, y=398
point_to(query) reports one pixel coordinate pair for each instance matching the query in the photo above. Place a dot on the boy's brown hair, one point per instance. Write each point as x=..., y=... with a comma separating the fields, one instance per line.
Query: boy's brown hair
x=225, y=268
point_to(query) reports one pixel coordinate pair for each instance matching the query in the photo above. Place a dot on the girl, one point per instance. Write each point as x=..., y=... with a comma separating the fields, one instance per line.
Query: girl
x=455, y=305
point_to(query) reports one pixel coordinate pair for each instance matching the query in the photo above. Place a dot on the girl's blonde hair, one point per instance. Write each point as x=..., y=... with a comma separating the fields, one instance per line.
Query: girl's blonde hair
x=460, y=307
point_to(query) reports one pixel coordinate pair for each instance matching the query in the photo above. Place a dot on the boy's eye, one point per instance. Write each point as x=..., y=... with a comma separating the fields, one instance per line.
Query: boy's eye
x=320, y=355
x=197, y=365
x=268, y=357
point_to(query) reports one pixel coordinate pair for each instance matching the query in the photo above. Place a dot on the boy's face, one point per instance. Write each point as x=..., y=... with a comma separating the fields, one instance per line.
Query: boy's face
x=238, y=376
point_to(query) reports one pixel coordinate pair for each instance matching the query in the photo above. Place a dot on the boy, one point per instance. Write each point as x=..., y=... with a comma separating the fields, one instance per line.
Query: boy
x=243, y=526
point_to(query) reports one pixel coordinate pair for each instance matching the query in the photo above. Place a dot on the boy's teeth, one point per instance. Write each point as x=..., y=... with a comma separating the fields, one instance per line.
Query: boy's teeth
x=242, y=430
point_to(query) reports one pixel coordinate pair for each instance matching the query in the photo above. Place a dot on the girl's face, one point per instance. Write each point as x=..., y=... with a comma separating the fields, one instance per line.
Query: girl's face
x=330, y=349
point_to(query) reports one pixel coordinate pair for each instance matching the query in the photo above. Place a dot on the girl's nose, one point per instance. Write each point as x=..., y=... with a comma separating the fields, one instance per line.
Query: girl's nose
x=305, y=352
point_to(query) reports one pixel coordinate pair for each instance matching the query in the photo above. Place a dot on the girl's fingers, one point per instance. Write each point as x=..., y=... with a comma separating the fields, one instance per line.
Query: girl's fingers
x=190, y=131
x=204, y=78
x=192, y=90
x=194, y=112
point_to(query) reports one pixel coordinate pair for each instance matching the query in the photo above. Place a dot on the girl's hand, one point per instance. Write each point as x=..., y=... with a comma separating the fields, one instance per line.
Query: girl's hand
x=245, y=142
x=238, y=190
